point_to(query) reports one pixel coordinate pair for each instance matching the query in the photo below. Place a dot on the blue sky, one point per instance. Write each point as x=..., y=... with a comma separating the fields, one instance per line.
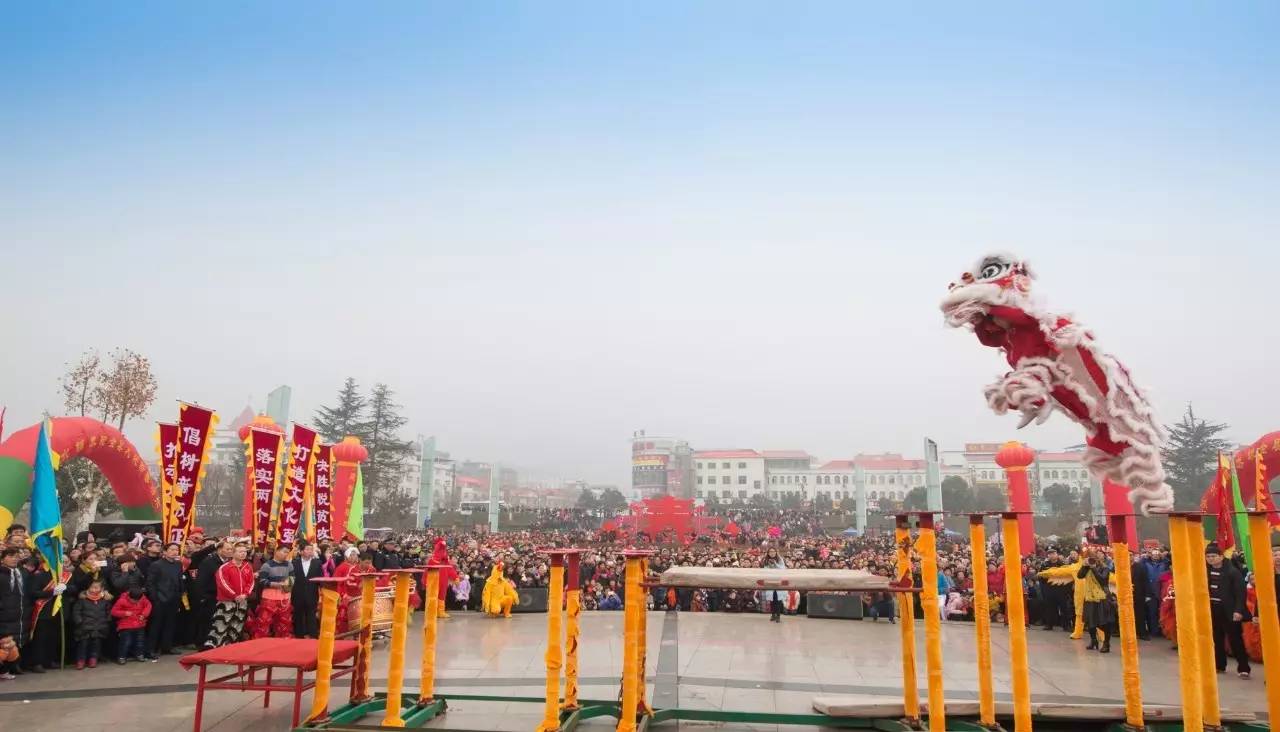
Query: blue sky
x=550, y=224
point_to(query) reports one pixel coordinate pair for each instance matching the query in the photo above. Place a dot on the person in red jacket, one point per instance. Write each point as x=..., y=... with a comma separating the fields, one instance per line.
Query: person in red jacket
x=440, y=555
x=131, y=612
x=234, y=581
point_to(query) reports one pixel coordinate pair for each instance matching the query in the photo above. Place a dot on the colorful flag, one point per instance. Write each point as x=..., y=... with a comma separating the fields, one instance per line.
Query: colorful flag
x=355, y=517
x=46, y=517
x=1216, y=503
x=322, y=493
x=296, y=478
x=1241, y=521
x=195, y=428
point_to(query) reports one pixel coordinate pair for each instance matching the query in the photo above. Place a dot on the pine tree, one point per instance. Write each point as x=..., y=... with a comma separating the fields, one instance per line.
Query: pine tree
x=347, y=418
x=387, y=452
x=1191, y=457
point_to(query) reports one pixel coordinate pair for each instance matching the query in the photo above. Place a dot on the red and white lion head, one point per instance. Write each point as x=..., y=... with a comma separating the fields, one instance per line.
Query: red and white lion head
x=997, y=280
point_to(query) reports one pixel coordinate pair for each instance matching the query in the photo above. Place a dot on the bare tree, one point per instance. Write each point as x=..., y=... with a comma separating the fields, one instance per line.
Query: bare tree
x=117, y=394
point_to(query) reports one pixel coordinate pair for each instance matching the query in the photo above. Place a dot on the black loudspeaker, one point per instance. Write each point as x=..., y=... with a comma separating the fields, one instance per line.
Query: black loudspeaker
x=827, y=605
x=532, y=600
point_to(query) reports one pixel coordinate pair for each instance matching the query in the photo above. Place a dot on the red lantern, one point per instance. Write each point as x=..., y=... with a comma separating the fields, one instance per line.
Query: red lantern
x=1014, y=457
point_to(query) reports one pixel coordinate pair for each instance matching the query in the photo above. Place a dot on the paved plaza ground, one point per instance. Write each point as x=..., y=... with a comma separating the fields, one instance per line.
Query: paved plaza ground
x=698, y=660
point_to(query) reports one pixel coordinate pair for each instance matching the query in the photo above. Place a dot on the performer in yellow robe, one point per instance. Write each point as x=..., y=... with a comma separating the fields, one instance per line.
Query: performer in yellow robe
x=1061, y=576
x=499, y=593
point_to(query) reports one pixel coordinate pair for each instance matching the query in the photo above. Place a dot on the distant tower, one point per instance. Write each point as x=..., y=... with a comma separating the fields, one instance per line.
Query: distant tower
x=278, y=405
x=426, y=482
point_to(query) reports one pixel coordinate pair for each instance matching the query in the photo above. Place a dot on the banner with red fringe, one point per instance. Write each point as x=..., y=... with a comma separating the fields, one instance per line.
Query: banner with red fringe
x=293, y=501
x=166, y=454
x=264, y=468
x=195, y=430
x=322, y=492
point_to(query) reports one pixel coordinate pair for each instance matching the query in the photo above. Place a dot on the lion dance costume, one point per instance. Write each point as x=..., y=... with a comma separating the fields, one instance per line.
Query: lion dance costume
x=499, y=593
x=1057, y=365
x=440, y=555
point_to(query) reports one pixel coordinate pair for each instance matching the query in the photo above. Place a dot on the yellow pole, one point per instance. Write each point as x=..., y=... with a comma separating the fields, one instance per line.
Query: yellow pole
x=1184, y=607
x=1131, y=679
x=555, y=597
x=1210, y=709
x=324, y=653
x=642, y=642
x=927, y=545
x=395, y=668
x=982, y=620
x=1016, y=613
x=907, y=613
x=1268, y=619
x=368, y=589
x=627, y=715
x=427, y=684
x=573, y=606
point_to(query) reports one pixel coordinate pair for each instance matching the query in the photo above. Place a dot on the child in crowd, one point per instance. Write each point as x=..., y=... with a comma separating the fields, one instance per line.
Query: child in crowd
x=131, y=612
x=91, y=614
x=9, y=655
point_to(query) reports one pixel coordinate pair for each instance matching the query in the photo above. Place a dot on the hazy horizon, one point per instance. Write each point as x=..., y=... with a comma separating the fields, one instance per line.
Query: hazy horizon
x=726, y=222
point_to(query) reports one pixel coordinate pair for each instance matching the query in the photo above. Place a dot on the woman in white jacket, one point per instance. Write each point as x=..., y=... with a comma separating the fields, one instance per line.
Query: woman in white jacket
x=774, y=598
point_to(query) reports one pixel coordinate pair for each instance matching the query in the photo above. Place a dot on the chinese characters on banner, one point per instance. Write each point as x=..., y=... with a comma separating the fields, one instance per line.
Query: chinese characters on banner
x=295, y=484
x=194, y=427
x=264, y=463
x=167, y=449
x=322, y=482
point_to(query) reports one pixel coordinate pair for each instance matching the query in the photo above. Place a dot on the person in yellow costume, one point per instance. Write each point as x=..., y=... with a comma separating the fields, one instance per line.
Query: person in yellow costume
x=499, y=593
x=1069, y=573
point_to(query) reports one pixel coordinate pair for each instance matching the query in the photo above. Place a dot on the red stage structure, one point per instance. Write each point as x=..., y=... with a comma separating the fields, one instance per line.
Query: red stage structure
x=653, y=517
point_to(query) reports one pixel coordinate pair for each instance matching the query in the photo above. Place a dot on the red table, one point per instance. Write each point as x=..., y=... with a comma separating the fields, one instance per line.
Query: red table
x=265, y=653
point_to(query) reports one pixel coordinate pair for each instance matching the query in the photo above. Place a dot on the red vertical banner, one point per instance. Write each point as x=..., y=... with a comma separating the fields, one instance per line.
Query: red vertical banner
x=322, y=492
x=292, y=502
x=166, y=452
x=264, y=467
x=195, y=428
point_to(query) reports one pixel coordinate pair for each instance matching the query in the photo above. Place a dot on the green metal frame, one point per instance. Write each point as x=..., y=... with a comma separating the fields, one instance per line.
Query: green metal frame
x=347, y=718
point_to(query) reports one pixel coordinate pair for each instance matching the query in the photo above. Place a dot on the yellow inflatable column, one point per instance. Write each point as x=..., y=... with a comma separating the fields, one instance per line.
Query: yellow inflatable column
x=427, y=684
x=360, y=684
x=1268, y=618
x=1131, y=679
x=555, y=598
x=927, y=545
x=1016, y=613
x=1210, y=710
x=324, y=648
x=907, y=613
x=1184, y=607
x=399, y=637
x=572, y=607
x=982, y=619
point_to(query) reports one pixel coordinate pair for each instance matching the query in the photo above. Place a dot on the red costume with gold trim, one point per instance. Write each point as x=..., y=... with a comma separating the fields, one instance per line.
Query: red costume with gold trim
x=440, y=555
x=1057, y=365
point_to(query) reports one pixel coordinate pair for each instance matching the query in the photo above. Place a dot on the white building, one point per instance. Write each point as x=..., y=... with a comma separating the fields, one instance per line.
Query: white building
x=728, y=474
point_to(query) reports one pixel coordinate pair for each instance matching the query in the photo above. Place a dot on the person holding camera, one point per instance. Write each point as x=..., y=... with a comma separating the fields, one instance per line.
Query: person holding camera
x=1099, y=603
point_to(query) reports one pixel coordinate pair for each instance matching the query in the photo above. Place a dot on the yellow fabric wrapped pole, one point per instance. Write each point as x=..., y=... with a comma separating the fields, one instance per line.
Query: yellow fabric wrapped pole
x=399, y=635
x=1131, y=679
x=1268, y=620
x=572, y=608
x=631, y=585
x=1210, y=709
x=1184, y=607
x=982, y=619
x=1016, y=613
x=642, y=638
x=324, y=653
x=555, y=598
x=907, y=613
x=427, y=684
x=360, y=688
x=927, y=545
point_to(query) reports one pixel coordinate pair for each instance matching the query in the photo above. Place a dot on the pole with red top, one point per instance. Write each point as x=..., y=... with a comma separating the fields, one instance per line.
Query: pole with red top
x=399, y=637
x=324, y=647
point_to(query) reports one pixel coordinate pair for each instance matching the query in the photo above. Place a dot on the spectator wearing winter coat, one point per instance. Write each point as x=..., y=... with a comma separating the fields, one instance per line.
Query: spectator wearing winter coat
x=14, y=606
x=91, y=614
x=131, y=612
x=164, y=589
x=1156, y=566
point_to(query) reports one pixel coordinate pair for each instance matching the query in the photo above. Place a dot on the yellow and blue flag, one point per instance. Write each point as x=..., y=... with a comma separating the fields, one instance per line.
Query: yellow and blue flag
x=46, y=517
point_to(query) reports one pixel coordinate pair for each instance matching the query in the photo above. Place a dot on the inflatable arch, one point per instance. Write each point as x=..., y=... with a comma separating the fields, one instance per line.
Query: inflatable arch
x=1268, y=448
x=115, y=456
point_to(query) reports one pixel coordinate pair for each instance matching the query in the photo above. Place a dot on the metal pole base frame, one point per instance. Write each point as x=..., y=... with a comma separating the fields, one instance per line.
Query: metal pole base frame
x=352, y=718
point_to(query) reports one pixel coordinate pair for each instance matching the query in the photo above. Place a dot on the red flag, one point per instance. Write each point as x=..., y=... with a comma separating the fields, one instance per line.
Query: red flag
x=295, y=484
x=322, y=492
x=264, y=455
x=195, y=428
x=1217, y=501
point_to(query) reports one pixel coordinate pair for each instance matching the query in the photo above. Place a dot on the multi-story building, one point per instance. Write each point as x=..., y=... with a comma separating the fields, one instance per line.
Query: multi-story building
x=728, y=474
x=227, y=447
x=660, y=466
x=1066, y=468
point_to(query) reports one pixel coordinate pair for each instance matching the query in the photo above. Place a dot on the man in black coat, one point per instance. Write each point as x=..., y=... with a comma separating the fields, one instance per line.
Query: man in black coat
x=1227, y=609
x=1141, y=585
x=205, y=597
x=164, y=589
x=304, y=597
x=14, y=605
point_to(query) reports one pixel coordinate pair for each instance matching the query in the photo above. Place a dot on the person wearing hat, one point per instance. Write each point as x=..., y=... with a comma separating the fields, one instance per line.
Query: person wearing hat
x=1227, y=609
